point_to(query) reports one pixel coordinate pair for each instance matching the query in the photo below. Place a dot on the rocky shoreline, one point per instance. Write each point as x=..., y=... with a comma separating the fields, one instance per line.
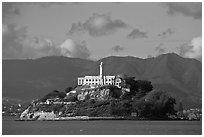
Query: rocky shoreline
x=73, y=118
x=86, y=118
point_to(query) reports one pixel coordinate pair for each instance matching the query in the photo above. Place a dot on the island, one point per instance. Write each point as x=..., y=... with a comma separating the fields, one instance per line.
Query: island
x=107, y=98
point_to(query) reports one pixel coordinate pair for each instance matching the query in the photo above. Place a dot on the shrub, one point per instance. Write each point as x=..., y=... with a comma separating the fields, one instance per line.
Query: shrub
x=155, y=104
x=67, y=90
x=53, y=94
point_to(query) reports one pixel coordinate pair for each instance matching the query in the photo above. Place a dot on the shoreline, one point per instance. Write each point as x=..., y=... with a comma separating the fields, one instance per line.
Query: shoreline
x=86, y=118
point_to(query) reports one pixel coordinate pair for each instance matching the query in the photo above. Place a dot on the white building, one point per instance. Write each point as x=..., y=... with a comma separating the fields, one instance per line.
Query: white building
x=100, y=80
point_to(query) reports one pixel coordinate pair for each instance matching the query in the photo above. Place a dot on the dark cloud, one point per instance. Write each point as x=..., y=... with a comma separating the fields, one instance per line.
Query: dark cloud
x=77, y=28
x=160, y=50
x=97, y=25
x=13, y=8
x=8, y=9
x=192, y=9
x=166, y=33
x=193, y=49
x=136, y=33
x=117, y=48
x=16, y=44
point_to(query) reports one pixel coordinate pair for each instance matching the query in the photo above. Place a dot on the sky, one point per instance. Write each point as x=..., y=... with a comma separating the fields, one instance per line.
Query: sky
x=97, y=30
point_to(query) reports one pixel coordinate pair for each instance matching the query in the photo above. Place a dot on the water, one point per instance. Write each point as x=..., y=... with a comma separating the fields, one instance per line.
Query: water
x=100, y=127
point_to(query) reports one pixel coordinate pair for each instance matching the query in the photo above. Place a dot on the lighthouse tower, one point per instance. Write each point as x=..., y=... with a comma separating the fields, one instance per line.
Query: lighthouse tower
x=101, y=73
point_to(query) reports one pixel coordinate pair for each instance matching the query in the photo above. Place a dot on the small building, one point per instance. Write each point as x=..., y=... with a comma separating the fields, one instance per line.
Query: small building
x=134, y=114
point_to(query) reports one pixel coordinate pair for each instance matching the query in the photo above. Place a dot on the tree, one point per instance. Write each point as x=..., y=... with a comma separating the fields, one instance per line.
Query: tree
x=136, y=85
x=115, y=92
x=154, y=104
x=54, y=94
x=143, y=85
x=131, y=82
x=180, y=109
x=127, y=96
x=67, y=90
x=70, y=99
x=121, y=107
x=138, y=88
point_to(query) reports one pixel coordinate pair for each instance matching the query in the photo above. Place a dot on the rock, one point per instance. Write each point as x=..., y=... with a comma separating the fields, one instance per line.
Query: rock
x=81, y=97
x=37, y=115
x=97, y=94
x=45, y=115
x=192, y=116
x=24, y=114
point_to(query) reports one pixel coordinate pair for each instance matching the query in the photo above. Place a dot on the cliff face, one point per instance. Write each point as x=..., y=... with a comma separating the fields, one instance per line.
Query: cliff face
x=100, y=93
x=34, y=113
x=38, y=115
x=95, y=94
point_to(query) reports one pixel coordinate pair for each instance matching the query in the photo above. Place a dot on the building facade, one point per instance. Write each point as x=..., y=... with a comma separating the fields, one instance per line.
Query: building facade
x=100, y=80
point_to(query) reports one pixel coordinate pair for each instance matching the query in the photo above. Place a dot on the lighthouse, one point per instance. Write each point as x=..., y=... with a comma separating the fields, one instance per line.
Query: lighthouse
x=101, y=73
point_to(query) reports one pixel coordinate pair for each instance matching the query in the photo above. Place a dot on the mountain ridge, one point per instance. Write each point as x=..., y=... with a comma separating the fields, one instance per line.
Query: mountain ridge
x=31, y=78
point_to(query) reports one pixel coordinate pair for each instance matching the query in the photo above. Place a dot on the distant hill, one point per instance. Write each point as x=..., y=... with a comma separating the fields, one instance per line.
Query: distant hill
x=29, y=79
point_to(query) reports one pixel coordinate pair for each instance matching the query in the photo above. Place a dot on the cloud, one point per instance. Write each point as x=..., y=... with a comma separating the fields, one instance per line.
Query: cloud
x=11, y=40
x=193, y=49
x=14, y=8
x=8, y=9
x=35, y=47
x=159, y=49
x=136, y=33
x=97, y=25
x=117, y=48
x=71, y=48
x=166, y=33
x=77, y=28
x=16, y=44
x=191, y=9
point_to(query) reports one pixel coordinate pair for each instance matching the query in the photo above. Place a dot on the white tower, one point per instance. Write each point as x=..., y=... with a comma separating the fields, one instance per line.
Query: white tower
x=101, y=73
